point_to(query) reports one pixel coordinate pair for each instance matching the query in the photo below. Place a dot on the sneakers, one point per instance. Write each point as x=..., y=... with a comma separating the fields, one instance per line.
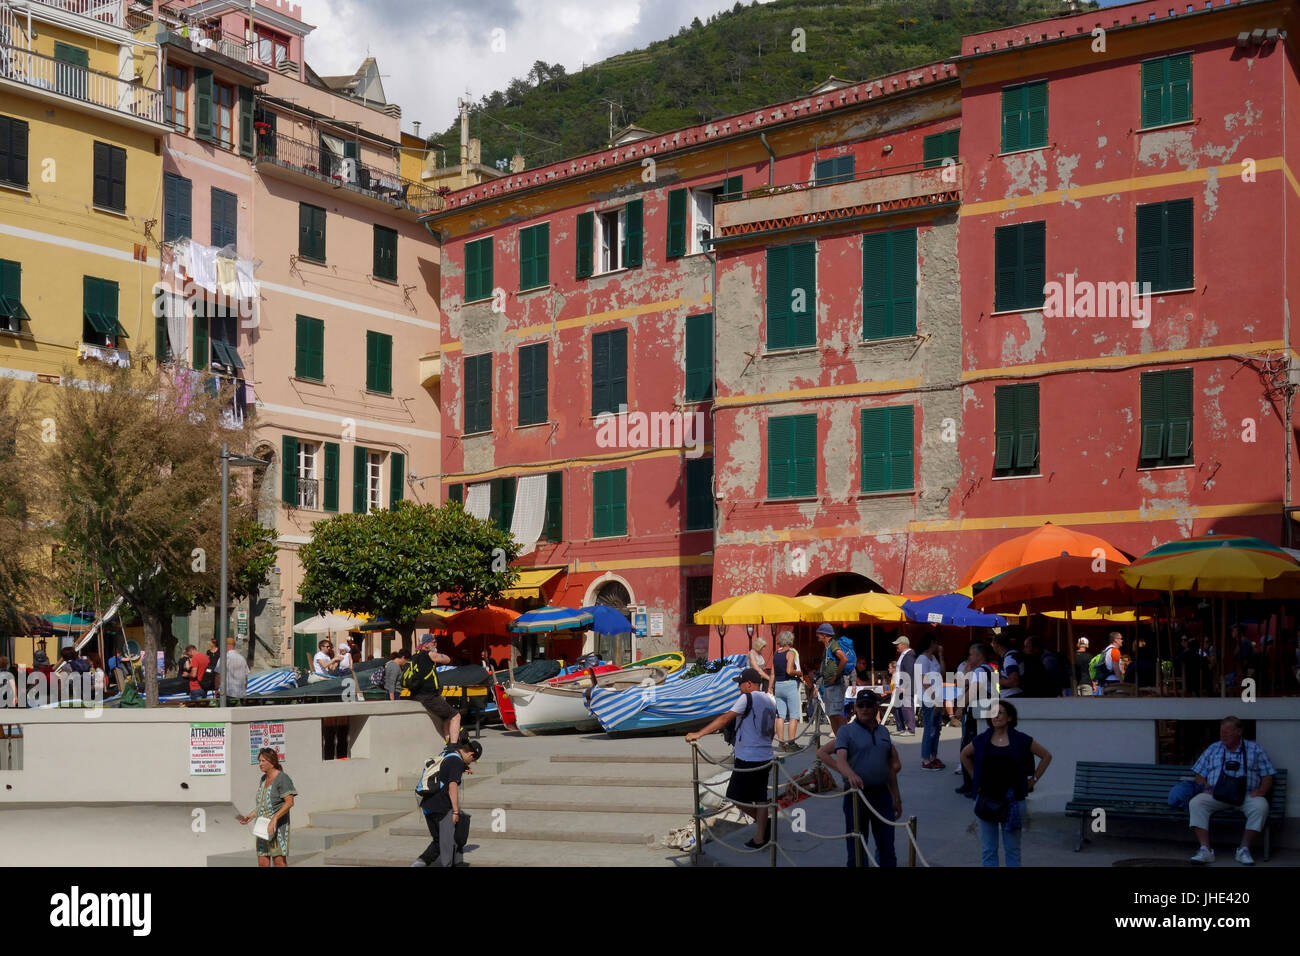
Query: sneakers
x=1243, y=856
x=419, y=863
x=963, y=790
x=1205, y=855
x=933, y=764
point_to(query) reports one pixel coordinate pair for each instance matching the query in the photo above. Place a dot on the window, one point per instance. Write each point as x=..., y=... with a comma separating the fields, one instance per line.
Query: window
x=225, y=218
x=837, y=169
x=533, y=374
x=203, y=117
x=301, y=465
x=385, y=266
x=331, y=496
x=70, y=70
x=733, y=187
x=1015, y=430
x=501, y=503
x=553, y=524
x=374, y=480
x=13, y=152
x=887, y=449
x=1024, y=116
x=699, y=593
x=792, y=456
x=177, y=207
x=396, y=479
x=12, y=313
x=223, y=115
x=693, y=240
x=99, y=313
x=360, y=480
x=309, y=340
x=1166, y=418
x=534, y=256
x=889, y=284
x=478, y=393
x=264, y=125
x=1167, y=90
x=614, y=240
x=940, y=146
x=699, y=357
x=272, y=48
x=379, y=363
x=456, y=493
x=609, y=499
x=110, y=177
x=613, y=227
x=699, y=494
x=220, y=337
x=1164, y=245
x=311, y=232
x=608, y=371
x=175, y=90
x=1020, y=266
x=308, y=487
x=478, y=269
x=792, y=296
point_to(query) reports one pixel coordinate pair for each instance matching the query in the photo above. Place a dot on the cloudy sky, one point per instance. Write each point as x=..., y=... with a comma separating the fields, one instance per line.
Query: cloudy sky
x=430, y=53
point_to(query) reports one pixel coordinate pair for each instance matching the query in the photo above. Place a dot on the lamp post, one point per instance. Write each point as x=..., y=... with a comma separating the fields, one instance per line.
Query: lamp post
x=227, y=459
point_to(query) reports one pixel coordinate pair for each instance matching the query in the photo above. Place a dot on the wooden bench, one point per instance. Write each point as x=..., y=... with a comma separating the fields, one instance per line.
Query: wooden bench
x=1140, y=791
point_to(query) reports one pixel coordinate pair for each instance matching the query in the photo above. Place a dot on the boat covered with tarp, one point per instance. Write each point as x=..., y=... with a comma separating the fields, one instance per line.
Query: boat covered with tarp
x=687, y=700
x=555, y=708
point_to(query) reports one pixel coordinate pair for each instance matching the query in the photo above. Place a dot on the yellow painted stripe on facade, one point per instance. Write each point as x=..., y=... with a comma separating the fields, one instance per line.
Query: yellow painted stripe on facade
x=823, y=391
x=1290, y=177
x=1119, y=361
x=679, y=561
x=566, y=464
x=1109, y=188
x=613, y=315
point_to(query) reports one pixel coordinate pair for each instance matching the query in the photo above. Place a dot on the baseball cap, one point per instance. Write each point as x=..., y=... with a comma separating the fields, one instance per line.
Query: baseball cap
x=1083, y=642
x=902, y=642
x=749, y=674
x=427, y=642
x=826, y=629
x=868, y=697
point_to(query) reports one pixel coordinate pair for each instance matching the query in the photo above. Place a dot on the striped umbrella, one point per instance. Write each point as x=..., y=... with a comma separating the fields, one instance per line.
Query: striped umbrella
x=549, y=618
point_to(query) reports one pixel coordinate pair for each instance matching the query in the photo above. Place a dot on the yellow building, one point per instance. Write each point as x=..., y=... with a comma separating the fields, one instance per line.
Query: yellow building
x=81, y=127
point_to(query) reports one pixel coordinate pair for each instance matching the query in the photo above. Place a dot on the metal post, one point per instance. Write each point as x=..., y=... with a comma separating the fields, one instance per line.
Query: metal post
x=225, y=546
x=773, y=808
x=911, y=843
x=857, y=828
x=695, y=783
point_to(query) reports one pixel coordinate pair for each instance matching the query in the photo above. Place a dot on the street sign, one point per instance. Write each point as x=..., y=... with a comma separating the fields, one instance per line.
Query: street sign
x=241, y=623
x=640, y=621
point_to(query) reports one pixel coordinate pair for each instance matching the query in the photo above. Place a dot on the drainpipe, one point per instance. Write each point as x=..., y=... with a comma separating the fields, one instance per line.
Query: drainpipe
x=771, y=162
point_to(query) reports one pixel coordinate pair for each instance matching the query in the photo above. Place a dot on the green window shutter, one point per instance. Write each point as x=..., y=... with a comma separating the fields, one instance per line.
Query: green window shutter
x=932, y=150
x=1020, y=266
x=159, y=321
x=385, y=264
x=525, y=400
x=875, y=449
x=534, y=252
x=507, y=496
x=1004, y=429
x=1013, y=134
x=1155, y=109
x=358, y=480
x=618, y=502
x=203, y=112
x=804, y=464
x=618, y=368
x=478, y=269
x=877, y=304
x=478, y=393
x=379, y=363
x=471, y=394
x=1006, y=268
x=1153, y=417
x=779, y=283
x=396, y=479
x=676, y=223
x=699, y=357
x=302, y=349
x=1033, y=264
x=952, y=143
x=225, y=218
x=600, y=384
x=1035, y=122
x=901, y=448
x=733, y=187
x=803, y=272
x=101, y=192
x=533, y=384
x=632, y=251
x=11, y=294
x=311, y=232
x=780, y=452
x=372, y=369
x=202, y=358
x=1178, y=415
x=13, y=151
x=1027, y=426
x=526, y=251
x=456, y=493
x=1150, y=245
x=309, y=344
x=1179, y=95
x=601, y=500
x=331, y=502
x=177, y=207
x=1179, y=228
x=246, y=122
x=289, y=470
x=586, y=244
x=699, y=493
x=553, y=529
x=903, y=281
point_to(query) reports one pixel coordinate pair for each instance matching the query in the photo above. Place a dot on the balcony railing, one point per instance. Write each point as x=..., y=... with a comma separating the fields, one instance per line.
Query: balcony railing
x=314, y=160
x=201, y=39
x=307, y=494
x=105, y=11
x=79, y=83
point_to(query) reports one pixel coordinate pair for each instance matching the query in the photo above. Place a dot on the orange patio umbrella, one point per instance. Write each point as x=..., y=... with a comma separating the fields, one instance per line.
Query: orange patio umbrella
x=1049, y=541
x=481, y=620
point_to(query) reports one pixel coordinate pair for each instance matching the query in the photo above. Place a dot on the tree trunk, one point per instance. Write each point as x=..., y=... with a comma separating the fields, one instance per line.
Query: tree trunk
x=153, y=634
x=407, y=633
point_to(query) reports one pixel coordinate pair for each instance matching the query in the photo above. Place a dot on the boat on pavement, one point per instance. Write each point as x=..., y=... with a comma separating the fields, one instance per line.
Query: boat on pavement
x=552, y=708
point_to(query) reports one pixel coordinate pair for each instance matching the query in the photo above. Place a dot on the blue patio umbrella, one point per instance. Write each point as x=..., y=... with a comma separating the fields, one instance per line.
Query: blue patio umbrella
x=607, y=620
x=950, y=610
x=548, y=618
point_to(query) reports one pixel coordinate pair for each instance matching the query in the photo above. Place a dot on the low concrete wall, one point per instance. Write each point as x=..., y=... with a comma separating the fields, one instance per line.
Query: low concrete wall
x=143, y=756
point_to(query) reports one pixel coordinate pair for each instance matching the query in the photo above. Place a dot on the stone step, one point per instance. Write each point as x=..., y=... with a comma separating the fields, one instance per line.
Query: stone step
x=560, y=826
x=604, y=779
x=619, y=758
x=571, y=799
x=312, y=839
x=249, y=857
x=400, y=851
x=360, y=819
x=387, y=800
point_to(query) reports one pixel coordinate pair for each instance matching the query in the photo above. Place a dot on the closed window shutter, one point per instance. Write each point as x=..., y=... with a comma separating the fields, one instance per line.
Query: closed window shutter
x=1180, y=88
x=876, y=300
x=359, y=505
x=533, y=384
x=117, y=177
x=805, y=456
x=600, y=384
x=385, y=264
x=13, y=151
x=301, y=348
x=289, y=470
x=1004, y=429
x=618, y=503
x=803, y=271
x=1033, y=264
x=1013, y=100
x=178, y=207
x=1035, y=127
x=932, y=150
x=470, y=393
x=699, y=357
x=456, y=493
x=699, y=493
x=1178, y=414
x=396, y=479
x=601, y=498
x=159, y=323
x=1026, y=425
x=526, y=278
x=246, y=122
x=473, y=251
x=1179, y=227
x=733, y=187
x=875, y=449
x=902, y=264
x=780, y=451
x=632, y=249
x=102, y=189
x=542, y=254
x=901, y=468
x=676, y=223
x=554, y=525
x=203, y=113
x=1154, y=109
x=202, y=352
x=318, y=349
x=1006, y=268
x=618, y=368
x=372, y=363
x=778, y=298
x=484, y=402
x=331, y=502
x=1153, y=417
x=384, y=358
x=586, y=243
x=526, y=386
x=1150, y=245
x=822, y=171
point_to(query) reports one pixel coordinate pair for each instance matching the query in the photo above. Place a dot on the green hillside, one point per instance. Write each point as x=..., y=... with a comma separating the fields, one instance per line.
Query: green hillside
x=740, y=60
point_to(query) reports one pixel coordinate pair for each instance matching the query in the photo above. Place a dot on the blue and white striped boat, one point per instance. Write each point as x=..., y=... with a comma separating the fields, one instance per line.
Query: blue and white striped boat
x=265, y=681
x=678, y=704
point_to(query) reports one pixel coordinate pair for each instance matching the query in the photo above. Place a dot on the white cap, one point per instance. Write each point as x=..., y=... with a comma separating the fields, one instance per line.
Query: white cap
x=1083, y=642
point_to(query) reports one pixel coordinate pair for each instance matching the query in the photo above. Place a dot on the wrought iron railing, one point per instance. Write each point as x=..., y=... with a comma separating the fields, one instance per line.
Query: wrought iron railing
x=308, y=489
x=78, y=82
x=211, y=39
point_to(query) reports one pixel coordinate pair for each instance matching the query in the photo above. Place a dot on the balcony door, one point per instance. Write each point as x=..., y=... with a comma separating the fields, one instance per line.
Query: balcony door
x=70, y=71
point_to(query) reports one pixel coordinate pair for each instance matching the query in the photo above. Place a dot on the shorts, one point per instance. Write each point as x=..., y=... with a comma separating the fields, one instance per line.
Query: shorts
x=748, y=786
x=834, y=694
x=787, y=699
x=437, y=705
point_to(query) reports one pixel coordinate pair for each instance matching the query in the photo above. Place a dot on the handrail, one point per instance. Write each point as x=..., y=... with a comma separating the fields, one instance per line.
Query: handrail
x=78, y=82
x=104, y=11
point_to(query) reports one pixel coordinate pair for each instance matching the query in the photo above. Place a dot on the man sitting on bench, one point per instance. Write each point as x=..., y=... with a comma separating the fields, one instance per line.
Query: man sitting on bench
x=1232, y=773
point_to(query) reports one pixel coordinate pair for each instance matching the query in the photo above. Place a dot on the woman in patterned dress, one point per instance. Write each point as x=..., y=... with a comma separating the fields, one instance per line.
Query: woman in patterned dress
x=275, y=795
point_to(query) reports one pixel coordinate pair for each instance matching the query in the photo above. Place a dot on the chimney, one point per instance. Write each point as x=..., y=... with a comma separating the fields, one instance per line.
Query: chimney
x=416, y=127
x=517, y=163
x=475, y=151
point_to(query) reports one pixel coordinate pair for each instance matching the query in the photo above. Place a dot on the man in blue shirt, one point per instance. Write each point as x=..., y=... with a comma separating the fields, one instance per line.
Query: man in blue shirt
x=863, y=753
x=1231, y=759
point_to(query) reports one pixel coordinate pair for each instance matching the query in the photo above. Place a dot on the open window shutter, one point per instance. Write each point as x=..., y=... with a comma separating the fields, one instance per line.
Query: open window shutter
x=632, y=254
x=586, y=243
x=1150, y=245
x=1178, y=412
x=901, y=470
x=875, y=449
x=876, y=304
x=396, y=479
x=805, y=455
x=1012, y=118
x=1033, y=263
x=554, y=530
x=618, y=501
x=331, y=502
x=1179, y=227
x=289, y=470
x=246, y=122
x=1026, y=425
x=90, y=299
x=202, y=352
x=676, y=223
x=526, y=386
x=203, y=104
x=600, y=393
x=1180, y=88
x=618, y=368
x=102, y=190
x=902, y=266
x=1153, y=416
x=699, y=357
x=803, y=270
x=780, y=451
x=1154, y=110
x=1036, y=114
x=601, y=502
x=358, y=480
x=778, y=298
x=1004, y=428
x=1006, y=268
x=733, y=187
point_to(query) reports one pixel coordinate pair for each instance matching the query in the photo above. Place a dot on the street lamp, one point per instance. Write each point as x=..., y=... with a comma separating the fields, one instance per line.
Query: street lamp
x=227, y=459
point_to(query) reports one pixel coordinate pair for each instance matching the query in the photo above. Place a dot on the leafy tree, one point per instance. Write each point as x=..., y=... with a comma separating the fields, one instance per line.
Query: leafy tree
x=23, y=581
x=394, y=564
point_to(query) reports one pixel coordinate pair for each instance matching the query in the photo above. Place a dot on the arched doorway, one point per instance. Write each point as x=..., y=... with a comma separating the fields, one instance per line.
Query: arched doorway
x=614, y=647
x=875, y=642
x=840, y=584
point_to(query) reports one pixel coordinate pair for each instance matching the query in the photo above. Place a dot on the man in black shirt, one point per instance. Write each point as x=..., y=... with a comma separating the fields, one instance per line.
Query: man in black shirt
x=447, y=825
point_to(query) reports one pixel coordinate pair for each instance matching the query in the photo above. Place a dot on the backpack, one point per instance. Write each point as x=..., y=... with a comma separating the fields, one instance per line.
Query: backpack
x=429, y=784
x=1097, y=667
x=767, y=728
x=377, y=678
x=413, y=680
x=208, y=681
x=847, y=647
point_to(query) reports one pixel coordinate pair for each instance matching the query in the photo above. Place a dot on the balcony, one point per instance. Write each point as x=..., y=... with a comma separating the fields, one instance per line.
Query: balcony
x=112, y=12
x=308, y=489
x=309, y=161
x=203, y=40
x=877, y=192
x=57, y=80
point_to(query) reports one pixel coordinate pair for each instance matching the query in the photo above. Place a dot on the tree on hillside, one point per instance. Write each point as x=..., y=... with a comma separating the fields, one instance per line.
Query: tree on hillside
x=394, y=564
x=22, y=564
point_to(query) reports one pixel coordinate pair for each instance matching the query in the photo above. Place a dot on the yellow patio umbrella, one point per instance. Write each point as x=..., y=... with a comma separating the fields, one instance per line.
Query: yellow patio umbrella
x=1100, y=615
x=869, y=607
x=815, y=604
x=754, y=608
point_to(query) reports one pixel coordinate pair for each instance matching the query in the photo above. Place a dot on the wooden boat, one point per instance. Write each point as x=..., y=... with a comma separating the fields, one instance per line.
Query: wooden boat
x=671, y=662
x=553, y=708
